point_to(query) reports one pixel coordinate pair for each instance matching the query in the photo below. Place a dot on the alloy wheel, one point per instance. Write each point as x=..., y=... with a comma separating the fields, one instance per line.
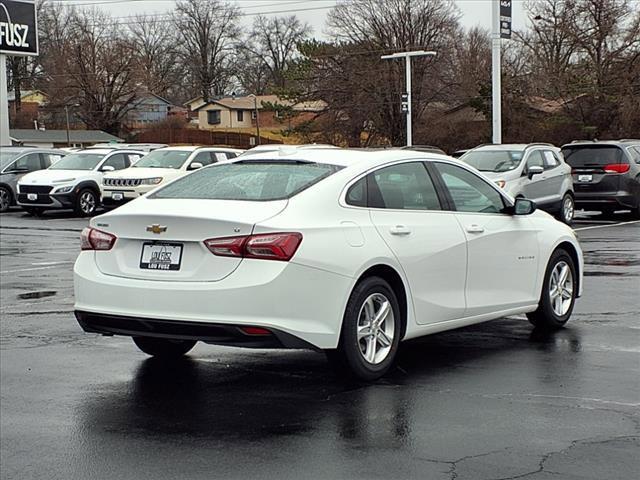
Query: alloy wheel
x=561, y=288
x=376, y=328
x=568, y=209
x=87, y=202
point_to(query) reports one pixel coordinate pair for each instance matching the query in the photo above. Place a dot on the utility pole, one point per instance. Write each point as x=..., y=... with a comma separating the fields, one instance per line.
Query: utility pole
x=407, y=58
x=4, y=103
x=66, y=112
x=255, y=110
x=496, y=73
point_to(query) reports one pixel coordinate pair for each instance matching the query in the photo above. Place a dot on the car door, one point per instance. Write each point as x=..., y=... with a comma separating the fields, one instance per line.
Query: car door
x=535, y=188
x=502, y=249
x=554, y=176
x=426, y=239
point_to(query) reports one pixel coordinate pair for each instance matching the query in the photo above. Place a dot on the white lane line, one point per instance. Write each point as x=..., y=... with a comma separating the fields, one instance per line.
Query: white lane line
x=32, y=269
x=605, y=226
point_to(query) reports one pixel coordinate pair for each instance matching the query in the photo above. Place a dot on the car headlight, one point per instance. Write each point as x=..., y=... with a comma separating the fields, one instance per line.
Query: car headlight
x=65, y=189
x=501, y=183
x=151, y=181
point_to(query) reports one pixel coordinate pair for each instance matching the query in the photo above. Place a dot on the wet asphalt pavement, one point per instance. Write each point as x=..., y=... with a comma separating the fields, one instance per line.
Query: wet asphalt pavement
x=493, y=401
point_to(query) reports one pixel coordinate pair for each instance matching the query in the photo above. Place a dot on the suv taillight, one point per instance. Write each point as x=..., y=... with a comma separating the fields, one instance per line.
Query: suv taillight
x=267, y=246
x=92, y=239
x=617, y=168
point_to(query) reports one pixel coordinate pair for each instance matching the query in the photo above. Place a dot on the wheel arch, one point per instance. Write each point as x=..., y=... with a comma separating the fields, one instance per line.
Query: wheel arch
x=90, y=184
x=571, y=249
x=393, y=278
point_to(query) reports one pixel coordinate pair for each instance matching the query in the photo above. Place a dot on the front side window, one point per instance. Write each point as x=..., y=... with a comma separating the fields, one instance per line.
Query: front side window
x=205, y=158
x=117, y=161
x=78, y=161
x=406, y=186
x=535, y=159
x=163, y=159
x=469, y=192
x=260, y=180
x=30, y=163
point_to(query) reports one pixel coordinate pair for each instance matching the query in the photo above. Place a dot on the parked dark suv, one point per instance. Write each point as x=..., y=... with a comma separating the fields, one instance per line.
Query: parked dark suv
x=606, y=174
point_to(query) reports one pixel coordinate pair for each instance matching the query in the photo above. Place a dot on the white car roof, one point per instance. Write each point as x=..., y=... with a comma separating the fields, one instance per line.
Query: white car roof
x=514, y=146
x=193, y=148
x=341, y=156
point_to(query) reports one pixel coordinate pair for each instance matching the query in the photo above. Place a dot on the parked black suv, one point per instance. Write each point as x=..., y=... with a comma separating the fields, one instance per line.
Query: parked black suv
x=606, y=174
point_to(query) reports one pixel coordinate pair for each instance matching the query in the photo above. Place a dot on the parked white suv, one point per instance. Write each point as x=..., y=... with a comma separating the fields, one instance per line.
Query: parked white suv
x=536, y=171
x=158, y=167
x=72, y=182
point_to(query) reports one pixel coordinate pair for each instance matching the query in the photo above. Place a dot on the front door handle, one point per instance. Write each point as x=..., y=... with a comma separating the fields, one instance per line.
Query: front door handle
x=474, y=228
x=399, y=230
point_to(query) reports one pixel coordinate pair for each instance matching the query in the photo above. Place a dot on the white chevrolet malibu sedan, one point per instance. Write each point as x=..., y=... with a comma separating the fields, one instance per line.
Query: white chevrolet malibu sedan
x=350, y=252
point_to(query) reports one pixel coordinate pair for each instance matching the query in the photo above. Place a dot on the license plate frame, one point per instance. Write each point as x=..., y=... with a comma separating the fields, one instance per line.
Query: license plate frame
x=585, y=178
x=32, y=197
x=165, y=256
x=117, y=196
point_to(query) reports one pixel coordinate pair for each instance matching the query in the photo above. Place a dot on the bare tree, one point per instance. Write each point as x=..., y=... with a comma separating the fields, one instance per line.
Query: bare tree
x=273, y=44
x=207, y=32
x=156, y=56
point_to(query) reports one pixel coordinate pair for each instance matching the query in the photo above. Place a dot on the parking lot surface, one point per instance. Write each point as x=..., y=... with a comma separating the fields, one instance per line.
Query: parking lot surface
x=493, y=401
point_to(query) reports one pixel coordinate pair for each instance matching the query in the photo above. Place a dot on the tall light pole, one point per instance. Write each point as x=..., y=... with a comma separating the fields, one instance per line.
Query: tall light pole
x=66, y=113
x=407, y=58
x=496, y=74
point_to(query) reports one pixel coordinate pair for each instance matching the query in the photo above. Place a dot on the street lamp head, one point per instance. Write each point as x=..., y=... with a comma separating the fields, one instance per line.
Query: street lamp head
x=414, y=53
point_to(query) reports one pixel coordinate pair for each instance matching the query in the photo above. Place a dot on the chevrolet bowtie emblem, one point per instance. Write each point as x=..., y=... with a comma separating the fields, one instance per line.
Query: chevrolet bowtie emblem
x=156, y=228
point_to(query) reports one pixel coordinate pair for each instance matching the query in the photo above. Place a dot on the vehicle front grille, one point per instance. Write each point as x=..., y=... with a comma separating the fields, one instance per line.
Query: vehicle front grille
x=35, y=188
x=122, y=182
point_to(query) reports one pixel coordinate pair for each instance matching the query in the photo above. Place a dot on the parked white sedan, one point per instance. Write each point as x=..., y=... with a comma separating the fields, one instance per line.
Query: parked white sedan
x=345, y=251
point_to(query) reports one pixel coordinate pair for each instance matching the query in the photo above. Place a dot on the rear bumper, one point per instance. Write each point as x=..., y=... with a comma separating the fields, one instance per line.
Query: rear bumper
x=596, y=201
x=303, y=302
x=218, y=334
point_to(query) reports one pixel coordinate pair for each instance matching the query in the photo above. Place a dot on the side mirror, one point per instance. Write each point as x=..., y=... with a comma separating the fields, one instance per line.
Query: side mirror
x=107, y=168
x=195, y=166
x=523, y=206
x=534, y=170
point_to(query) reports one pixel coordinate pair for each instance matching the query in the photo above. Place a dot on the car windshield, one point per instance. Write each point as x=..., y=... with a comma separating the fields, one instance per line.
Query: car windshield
x=257, y=180
x=493, y=160
x=7, y=157
x=591, y=155
x=163, y=159
x=78, y=161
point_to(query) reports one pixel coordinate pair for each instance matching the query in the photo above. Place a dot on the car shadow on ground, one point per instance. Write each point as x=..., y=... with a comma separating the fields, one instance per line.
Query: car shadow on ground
x=261, y=394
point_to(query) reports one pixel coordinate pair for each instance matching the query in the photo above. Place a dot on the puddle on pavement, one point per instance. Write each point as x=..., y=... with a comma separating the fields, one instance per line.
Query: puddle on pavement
x=40, y=294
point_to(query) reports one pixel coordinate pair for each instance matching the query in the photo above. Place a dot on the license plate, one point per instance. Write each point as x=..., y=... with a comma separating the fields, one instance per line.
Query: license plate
x=117, y=196
x=161, y=256
x=32, y=196
x=585, y=178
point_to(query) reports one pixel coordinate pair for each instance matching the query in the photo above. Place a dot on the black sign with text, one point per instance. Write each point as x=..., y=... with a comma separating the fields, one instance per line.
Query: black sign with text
x=505, y=18
x=18, y=28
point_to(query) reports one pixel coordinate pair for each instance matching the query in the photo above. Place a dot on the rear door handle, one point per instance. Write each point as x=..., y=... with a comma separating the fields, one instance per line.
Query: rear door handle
x=399, y=230
x=474, y=228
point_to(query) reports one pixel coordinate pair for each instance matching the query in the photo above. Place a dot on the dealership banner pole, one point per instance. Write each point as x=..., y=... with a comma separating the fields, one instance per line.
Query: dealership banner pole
x=496, y=94
x=4, y=102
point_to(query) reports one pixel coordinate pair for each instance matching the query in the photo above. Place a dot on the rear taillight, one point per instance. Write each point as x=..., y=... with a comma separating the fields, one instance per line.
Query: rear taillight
x=617, y=168
x=92, y=239
x=269, y=246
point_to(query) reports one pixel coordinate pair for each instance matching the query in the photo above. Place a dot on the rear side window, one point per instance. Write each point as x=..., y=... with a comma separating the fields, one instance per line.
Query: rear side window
x=592, y=155
x=550, y=160
x=406, y=186
x=259, y=180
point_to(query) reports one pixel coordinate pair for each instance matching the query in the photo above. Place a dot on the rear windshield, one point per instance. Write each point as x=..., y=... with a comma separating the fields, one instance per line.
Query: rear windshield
x=258, y=180
x=592, y=155
x=493, y=160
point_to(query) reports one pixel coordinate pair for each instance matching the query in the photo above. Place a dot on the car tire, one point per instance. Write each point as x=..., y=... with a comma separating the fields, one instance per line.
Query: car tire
x=86, y=203
x=567, y=209
x=33, y=211
x=163, y=347
x=367, y=346
x=558, y=295
x=6, y=199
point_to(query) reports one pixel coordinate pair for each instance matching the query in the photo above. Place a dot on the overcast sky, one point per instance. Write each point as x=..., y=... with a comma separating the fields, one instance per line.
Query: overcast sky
x=474, y=12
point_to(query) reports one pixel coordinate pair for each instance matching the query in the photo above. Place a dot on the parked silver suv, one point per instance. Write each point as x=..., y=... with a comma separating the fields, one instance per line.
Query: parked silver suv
x=18, y=161
x=536, y=171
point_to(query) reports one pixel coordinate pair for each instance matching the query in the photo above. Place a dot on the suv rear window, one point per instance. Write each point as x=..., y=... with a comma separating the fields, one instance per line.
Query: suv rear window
x=592, y=155
x=257, y=180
